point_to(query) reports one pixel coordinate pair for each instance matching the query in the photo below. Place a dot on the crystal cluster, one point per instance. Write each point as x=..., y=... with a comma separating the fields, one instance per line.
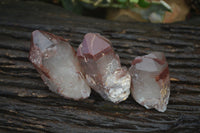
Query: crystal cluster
x=102, y=68
x=56, y=61
x=150, y=81
x=97, y=66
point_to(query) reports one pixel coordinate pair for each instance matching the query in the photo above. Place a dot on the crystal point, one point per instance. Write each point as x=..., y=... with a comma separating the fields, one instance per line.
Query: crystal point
x=56, y=61
x=93, y=46
x=150, y=81
x=102, y=68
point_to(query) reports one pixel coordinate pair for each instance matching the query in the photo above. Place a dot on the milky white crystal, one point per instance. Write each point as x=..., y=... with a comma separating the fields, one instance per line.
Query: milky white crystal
x=150, y=81
x=55, y=60
x=102, y=68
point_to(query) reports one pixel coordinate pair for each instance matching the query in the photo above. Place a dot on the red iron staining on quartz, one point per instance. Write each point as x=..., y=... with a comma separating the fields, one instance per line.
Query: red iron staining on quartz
x=56, y=61
x=102, y=68
x=163, y=74
x=150, y=81
x=138, y=60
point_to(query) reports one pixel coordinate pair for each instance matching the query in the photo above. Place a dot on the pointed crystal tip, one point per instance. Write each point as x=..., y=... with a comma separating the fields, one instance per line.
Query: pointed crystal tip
x=41, y=39
x=44, y=40
x=93, y=46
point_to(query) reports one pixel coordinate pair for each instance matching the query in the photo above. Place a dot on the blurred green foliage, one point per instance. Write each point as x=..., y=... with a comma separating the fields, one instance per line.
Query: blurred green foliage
x=148, y=10
x=77, y=5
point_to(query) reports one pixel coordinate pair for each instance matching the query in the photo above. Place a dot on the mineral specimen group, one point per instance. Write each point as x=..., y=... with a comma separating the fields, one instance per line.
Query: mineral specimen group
x=56, y=61
x=102, y=68
x=150, y=81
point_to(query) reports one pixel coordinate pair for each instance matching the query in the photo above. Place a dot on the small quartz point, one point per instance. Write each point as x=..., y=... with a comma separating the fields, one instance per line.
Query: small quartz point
x=56, y=61
x=102, y=68
x=150, y=81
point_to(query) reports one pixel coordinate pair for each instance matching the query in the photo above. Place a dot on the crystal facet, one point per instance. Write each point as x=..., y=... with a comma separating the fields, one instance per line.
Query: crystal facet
x=102, y=68
x=150, y=81
x=56, y=61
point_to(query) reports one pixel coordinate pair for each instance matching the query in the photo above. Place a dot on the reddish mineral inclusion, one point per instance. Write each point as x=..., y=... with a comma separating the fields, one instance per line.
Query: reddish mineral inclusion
x=102, y=68
x=150, y=81
x=56, y=61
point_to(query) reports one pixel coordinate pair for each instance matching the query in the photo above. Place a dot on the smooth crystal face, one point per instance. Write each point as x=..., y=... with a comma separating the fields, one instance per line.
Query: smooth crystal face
x=102, y=68
x=55, y=60
x=150, y=81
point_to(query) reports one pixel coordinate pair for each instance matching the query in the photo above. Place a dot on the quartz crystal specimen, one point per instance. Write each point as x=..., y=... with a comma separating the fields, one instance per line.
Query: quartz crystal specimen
x=102, y=68
x=56, y=61
x=150, y=81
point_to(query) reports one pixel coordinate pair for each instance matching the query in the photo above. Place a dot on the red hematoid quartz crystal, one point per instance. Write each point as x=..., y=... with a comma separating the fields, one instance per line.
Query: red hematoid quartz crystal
x=102, y=68
x=150, y=81
x=56, y=61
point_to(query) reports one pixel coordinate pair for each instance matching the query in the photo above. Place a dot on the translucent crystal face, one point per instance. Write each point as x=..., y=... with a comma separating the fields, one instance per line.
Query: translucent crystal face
x=98, y=44
x=42, y=40
x=55, y=60
x=150, y=79
x=93, y=46
x=102, y=68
